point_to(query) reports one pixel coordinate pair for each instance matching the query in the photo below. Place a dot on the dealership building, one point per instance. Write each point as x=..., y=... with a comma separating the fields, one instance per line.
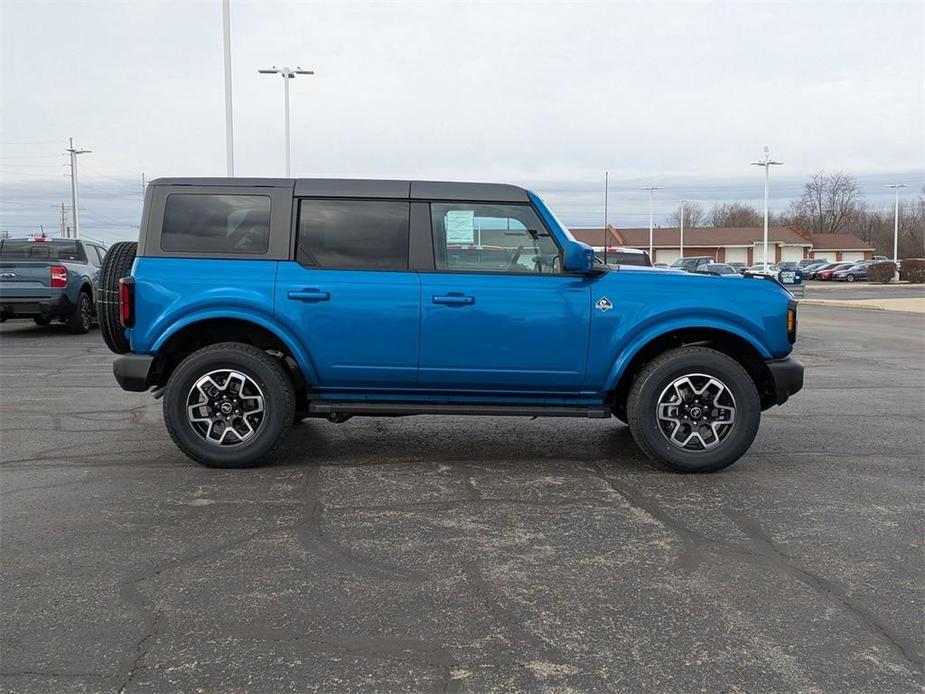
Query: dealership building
x=733, y=244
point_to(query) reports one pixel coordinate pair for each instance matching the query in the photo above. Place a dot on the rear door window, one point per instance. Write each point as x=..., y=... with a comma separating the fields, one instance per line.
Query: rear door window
x=354, y=234
x=213, y=223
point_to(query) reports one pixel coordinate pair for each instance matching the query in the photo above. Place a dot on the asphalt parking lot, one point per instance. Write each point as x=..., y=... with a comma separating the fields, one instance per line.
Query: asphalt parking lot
x=472, y=554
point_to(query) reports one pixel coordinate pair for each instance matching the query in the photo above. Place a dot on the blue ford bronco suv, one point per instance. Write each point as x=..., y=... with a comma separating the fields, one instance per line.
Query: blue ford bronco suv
x=250, y=304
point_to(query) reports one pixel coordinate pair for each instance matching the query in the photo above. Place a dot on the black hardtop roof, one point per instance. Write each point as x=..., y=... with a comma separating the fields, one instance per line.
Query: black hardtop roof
x=367, y=188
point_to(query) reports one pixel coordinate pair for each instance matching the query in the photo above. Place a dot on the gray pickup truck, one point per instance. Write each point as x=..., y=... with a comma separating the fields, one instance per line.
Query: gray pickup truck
x=48, y=279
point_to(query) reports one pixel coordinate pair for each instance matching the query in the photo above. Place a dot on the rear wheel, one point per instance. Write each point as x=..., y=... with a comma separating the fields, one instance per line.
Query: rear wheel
x=229, y=405
x=694, y=409
x=80, y=319
x=116, y=265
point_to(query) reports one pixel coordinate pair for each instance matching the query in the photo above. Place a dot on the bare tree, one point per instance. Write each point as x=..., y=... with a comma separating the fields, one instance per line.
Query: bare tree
x=694, y=216
x=736, y=214
x=831, y=203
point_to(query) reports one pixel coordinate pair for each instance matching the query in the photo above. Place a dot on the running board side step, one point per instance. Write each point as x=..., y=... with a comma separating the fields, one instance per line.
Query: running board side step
x=347, y=407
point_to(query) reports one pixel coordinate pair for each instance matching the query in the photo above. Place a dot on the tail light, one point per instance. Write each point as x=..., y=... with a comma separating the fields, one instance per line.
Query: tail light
x=127, y=302
x=58, y=276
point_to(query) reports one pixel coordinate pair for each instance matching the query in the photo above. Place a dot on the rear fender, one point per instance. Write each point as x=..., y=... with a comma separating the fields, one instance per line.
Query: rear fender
x=295, y=348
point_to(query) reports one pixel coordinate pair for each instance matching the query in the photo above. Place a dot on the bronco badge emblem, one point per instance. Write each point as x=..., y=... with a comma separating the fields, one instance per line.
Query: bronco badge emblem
x=604, y=304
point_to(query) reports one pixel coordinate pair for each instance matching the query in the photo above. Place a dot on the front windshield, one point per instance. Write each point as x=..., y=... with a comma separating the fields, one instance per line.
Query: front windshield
x=545, y=209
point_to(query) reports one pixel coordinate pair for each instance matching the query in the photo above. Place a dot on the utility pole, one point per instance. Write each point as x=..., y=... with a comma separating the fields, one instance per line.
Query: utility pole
x=63, y=220
x=287, y=74
x=651, y=190
x=681, y=243
x=767, y=163
x=229, y=120
x=896, y=187
x=606, y=235
x=74, y=197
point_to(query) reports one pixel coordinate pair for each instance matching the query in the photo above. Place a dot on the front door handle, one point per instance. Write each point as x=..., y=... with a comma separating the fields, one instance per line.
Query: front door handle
x=454, y=299
x=310, y=295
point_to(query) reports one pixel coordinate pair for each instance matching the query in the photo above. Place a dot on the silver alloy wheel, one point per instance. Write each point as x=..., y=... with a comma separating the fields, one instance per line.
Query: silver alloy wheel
x=696, y=412
x=225, y=407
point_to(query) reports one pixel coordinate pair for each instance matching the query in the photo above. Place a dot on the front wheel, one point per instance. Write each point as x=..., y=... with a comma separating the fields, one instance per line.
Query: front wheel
x=694, y=409
x=850, y=278
x=228, y=405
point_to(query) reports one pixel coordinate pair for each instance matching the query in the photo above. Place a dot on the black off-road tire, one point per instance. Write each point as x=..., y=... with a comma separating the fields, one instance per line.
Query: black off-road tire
x=265, y=371
x=116, y=265
x=656, y=377
x=40, y=320
x=81, y=317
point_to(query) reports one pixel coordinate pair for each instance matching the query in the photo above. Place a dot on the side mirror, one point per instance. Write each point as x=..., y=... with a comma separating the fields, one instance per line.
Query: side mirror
x=579, y=257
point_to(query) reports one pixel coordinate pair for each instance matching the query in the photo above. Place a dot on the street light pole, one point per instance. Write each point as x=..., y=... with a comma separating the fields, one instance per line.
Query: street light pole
x=651, y=190
x=229, y=121
x=896, y=187
x=767, y=163
x=287, y=74
x=682, y=227
x=74, y=193
x=606, y=234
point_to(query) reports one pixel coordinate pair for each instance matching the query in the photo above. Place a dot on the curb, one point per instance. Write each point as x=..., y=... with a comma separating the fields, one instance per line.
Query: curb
x=841, y=304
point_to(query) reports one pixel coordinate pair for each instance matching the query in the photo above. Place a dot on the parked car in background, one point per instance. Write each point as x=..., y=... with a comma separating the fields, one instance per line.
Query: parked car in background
x=621, y=255
x=827, y=273
x=812, y=273
x=851, y=274
x=250, y=304
x=879, y=258
x=691, y=264
x=806, y=262
x=807, y=269
x=738, y=267
x=721, y=269
x=788, y=265
x=762, y=269
x=47, y=279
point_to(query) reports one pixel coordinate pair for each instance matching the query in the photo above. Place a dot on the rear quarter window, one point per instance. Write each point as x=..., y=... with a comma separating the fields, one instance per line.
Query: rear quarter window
x=216, y=223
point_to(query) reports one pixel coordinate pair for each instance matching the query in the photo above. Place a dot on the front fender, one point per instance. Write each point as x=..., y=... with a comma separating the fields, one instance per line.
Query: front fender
x=663, y=325
x=264, y=321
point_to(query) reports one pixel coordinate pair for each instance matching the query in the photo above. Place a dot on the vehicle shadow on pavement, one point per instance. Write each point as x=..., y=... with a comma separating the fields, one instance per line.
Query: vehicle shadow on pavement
x=371, y=442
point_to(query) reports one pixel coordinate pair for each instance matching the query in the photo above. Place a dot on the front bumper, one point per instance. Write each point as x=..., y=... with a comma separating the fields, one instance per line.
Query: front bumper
x=133, y=371
x=786, y=378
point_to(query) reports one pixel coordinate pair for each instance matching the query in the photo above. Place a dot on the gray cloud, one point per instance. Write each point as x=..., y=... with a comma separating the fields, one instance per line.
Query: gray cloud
x=548, y=95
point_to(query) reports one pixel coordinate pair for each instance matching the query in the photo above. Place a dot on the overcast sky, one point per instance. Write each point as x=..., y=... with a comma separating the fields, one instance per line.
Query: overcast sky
x=547, y=95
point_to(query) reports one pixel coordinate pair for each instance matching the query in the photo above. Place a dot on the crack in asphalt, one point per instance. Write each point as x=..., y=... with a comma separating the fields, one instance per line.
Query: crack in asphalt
x=762, y=550
x=314, y=540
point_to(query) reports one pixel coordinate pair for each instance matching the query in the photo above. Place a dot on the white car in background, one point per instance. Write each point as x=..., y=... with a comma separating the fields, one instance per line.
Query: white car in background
x=761, y=269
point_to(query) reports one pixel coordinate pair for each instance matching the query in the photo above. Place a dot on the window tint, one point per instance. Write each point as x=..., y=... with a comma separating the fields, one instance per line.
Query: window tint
x=27, y=249
x=493, y=238
x=216, y=223
x=102, y=253
x=93, y=255
x=354, y=234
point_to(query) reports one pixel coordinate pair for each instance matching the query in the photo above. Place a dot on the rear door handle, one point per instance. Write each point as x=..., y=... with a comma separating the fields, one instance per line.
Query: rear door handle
x=454, y=299
x=310, y=295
